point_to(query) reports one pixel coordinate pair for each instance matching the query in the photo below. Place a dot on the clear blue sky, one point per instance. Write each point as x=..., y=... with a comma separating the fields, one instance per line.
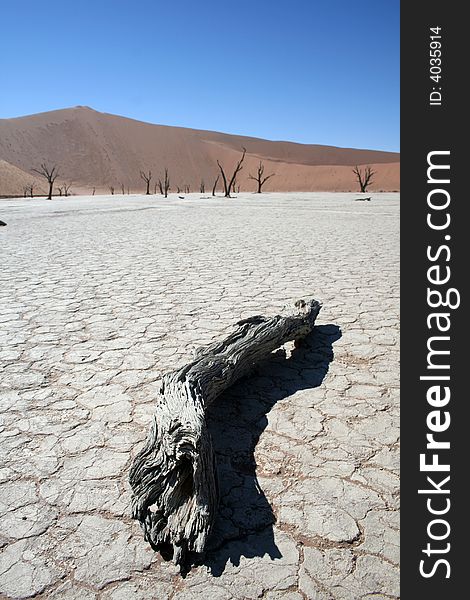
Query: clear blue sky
x=312, y=71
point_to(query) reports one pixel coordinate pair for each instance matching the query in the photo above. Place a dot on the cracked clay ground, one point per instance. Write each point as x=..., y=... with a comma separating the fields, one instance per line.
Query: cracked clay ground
x=100, y=296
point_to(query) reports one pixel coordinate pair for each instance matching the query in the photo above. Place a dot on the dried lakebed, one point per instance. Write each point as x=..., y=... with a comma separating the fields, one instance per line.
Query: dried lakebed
x=102, y=295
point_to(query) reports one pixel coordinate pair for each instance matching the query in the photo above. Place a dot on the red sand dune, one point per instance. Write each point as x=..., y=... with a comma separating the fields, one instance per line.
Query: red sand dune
x=13, y=181
x=94, y=149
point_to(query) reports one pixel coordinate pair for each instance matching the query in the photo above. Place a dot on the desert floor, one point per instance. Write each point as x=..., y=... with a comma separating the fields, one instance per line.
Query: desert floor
x=101, y=295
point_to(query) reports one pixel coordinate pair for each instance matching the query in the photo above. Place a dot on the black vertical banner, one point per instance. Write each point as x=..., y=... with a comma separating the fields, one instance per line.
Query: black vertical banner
x=435, y=259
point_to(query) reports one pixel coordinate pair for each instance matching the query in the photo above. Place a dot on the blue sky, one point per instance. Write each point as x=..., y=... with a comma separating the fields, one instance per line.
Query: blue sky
x=311, y=71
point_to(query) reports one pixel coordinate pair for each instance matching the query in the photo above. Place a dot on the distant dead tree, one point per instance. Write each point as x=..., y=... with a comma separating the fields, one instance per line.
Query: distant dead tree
x=93, y=192
x=260, y=178
x=123, y=190
x=364, y=177
x=160, y=186
x=202, y=187
x=66, y=188
x=147, y=177
x=61, y=190
x=166, y=183
x=50, y=174
x=178, y=189
x=187, y=189
x=228, y=185
x=214, y=187
x=128, y=191
x=111, y=189
x=31, y=189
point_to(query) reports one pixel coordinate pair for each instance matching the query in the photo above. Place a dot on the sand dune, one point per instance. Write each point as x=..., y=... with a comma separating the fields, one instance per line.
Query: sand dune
x=100, y=150
x=13, y=180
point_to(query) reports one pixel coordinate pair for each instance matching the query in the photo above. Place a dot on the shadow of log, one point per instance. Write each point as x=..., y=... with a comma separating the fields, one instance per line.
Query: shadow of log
x=236, y=420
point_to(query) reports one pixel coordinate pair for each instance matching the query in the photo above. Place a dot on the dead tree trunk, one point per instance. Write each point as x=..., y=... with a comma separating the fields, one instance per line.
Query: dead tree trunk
x=147, y=177
x=228, y=184
x=215, y=185
x=260, y=178
x=173, y=478
x=364, y=178
x=50, y=174
x=166, y=183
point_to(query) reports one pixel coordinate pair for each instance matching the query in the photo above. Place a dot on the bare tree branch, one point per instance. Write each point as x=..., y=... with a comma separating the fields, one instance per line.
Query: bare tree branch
x=364, y=177
x=147, y=177
x=174, y=476
x=66, y=188
x=50, y=174
x=224, y=179
x=260, y=178
x=228, y=186
x=215, y=185
x=166, y=183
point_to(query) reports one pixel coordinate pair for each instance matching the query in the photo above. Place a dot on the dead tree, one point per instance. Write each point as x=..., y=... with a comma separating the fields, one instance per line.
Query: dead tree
x=364, y=177
x=228, y=184
x=260, y=178
x=214, y=187
x=25, y=190
x=93, y=192
x=111, y=189
x=123, y=189
x=202, y=187
x=166, y=183
x=61, y=190
x=147, y=177
x=66, y=188
x=173, y=478
x=50, y=174
x=160, y=186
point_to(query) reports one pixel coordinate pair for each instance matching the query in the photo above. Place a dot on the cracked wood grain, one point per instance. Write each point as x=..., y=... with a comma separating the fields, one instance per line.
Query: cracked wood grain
x=173, y=478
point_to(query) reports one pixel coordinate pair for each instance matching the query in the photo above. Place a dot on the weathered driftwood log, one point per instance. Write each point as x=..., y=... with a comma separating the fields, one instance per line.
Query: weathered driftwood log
x=173, y=478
